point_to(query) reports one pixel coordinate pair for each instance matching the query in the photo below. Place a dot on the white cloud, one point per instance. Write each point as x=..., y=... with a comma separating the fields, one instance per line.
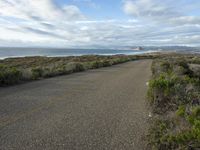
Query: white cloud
x=38, y=20
x=165, y=12
x=42, y=22
x=171, y=21
x=149, y=8
x=39, y=10
x=185, y=20
x=131, y=9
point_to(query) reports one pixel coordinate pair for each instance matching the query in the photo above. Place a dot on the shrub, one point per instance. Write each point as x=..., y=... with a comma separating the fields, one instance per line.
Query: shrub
x=182, y=63
x=196, y=111
x=9, y=75
x=37, y=73
x=116, y=61
x=166, y=66
x=106, y=63
x=162, y=136
x=181, y=111
x=163, y=83
x=96, y=64
x=175, y=86
x=156, y=134
x=185, y=67
x=78, y=67
x=32, y=68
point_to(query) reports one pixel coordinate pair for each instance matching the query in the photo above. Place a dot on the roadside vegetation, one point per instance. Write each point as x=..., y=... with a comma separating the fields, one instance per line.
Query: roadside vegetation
x=174, y=96
x=17, y=70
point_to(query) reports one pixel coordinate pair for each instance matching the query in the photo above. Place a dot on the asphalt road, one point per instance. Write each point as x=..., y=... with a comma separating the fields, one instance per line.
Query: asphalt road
x=101, y=109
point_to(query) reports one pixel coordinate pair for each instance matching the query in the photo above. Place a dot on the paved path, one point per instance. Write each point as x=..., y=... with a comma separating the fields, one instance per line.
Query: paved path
x=101, y=109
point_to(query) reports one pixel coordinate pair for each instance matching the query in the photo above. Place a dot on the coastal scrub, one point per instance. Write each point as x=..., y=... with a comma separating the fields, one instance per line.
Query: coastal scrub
x=174, y=96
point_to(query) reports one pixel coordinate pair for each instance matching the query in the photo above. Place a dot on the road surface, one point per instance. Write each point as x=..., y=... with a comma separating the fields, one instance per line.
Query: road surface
x=102, y=109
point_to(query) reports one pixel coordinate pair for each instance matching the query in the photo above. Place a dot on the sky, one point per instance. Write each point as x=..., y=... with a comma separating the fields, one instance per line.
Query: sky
x=99, y=23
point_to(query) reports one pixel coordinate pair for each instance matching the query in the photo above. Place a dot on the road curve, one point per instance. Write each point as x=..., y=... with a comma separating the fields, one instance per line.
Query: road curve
x=102, y=109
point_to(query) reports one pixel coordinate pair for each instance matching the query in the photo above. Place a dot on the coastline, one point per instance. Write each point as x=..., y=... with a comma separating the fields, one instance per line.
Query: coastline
x=103, y=54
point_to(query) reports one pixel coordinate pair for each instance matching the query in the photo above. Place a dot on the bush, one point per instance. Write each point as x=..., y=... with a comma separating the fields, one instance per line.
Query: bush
x=37, y=73
x=156, y=134
x=181, y=111
x=166, y=66
x=106, y=63
x=185, y=67
x=163, y=137
x=14, y=70
x=78, y=67
x=96, y=64
x=162, y=85
x=174, y=91
x=9, y=75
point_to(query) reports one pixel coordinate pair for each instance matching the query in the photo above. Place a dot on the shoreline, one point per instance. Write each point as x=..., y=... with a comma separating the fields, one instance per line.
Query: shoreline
x=135, y=53
x=74, y=55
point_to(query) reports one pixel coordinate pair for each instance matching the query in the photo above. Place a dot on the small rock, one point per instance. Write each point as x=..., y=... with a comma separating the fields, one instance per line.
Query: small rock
x=150, y=115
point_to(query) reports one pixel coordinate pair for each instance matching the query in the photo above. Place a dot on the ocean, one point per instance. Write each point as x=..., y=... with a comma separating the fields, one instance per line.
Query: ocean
x=58, y=52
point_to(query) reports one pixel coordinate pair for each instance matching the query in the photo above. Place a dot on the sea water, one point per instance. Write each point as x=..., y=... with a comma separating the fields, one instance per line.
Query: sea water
x=58, y=52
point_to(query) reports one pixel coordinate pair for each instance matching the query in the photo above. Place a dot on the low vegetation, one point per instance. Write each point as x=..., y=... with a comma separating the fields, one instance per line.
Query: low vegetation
x=16, y=70
x=174, y=96
x=9, y=75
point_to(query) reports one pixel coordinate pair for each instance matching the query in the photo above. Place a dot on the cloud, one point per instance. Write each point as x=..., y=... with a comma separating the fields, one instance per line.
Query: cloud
x=185, y=20
x=39, y=10
x=168, y=12
x=42, y=32
x=149, y=8
x=150, y=22
x=41, y=19
x=173, y=22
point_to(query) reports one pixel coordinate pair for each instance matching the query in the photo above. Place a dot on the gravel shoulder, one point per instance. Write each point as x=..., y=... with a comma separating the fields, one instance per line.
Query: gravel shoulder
x=97, y=109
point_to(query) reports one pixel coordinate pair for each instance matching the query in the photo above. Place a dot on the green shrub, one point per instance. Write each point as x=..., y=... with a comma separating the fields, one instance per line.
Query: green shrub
x=96, y=64
x=183, y=63
x=32, y=68
x=181, y=111
x=160, y=83
x=162, y=136
x=174, y=86
x=191, y=136
x=37, y=73
x=166, y=66
x=163, y=83
x=195, y=115
x=116, y=61
x=196, y=111
x=106, y=63
x=186, y=69
x=78, y=67
x=156, y=134
x=9, y=75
